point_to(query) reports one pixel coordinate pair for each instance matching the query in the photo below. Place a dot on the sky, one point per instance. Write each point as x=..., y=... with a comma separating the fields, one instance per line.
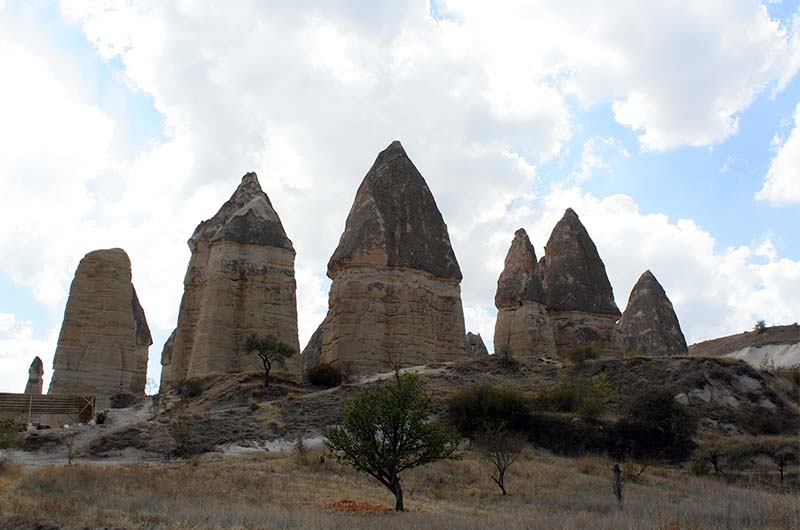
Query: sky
x=671, y=128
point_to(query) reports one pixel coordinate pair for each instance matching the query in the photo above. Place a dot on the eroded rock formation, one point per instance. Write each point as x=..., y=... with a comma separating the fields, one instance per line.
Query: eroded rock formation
x=523, y=326
x=35, y=377
x=476, y=349
x=313, y=350
x=396, y=296
x=240, y=281
x=577, y=292
x=649, y=324
x=103, y=345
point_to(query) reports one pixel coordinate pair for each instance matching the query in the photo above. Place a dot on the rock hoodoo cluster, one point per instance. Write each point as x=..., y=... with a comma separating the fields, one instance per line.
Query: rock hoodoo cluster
x=649, y=324
x=523, y=326
x=396, y=296
x=566, y=301
x=240, y=281
x=103, y=345
x=35, y=377
x=475, y=346
x=577, y=292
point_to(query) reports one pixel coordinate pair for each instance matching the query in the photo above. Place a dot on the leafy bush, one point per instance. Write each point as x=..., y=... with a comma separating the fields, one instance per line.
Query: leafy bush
x=182, y=432
x=567, y=435
x=582, y=354
x=325, y=375
x=470, y=410
x=585, y=397
x=189, y=388
x=760, y=326
x=123, y=400
x=11, y=433
x=656, y=427
x=766, y=425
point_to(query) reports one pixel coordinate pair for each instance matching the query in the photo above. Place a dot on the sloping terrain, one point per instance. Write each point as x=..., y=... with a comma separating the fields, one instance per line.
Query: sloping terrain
x=729, y=398
x=776, y=346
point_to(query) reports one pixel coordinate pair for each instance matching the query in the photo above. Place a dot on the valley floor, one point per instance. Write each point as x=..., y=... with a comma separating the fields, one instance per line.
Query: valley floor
x=283, y=490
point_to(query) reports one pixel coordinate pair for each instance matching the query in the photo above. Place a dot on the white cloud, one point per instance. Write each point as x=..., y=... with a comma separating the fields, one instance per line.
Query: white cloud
x=19, y=344
x=306, y=94
x=782, y=183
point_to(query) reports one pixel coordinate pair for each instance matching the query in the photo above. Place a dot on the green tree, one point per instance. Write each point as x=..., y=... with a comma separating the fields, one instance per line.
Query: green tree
x=386, y=431
x=269, y=350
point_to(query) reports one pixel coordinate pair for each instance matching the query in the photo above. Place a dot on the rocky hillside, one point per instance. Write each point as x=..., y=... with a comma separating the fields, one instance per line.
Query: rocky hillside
x=776, y=346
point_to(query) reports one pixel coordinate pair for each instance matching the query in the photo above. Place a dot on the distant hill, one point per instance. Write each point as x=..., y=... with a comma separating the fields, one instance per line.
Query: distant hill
x=777, y=346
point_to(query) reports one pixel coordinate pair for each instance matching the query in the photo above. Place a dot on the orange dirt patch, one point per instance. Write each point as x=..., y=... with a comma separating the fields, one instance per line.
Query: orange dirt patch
x=347, y=505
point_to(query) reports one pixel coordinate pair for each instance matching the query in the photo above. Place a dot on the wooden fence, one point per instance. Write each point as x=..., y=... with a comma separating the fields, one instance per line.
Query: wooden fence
x=27, y=406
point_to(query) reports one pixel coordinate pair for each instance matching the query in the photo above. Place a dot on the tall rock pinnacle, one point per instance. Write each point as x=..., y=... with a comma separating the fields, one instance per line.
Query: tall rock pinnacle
x=35, y=375
x=395, y=297
x=240, y=281
x=577, y=292
x=103, y=345
x=523, y=327
x=649, y=323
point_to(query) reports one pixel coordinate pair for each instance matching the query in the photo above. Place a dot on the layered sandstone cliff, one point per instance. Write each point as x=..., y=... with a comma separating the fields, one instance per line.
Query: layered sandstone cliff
x=240, y=281
x=577, y=292
x=649, y=324
x=103, y=345
x=395, y=299
x=522, y=328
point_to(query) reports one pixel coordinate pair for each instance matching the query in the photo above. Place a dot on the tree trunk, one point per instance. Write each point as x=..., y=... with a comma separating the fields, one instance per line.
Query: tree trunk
x=398, y=496
x=266, y=372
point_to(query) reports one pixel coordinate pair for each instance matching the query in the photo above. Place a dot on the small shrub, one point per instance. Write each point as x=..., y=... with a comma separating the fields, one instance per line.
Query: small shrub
x=189, y=388
x=585, y=397
x=325, y=375
x=470, y=410
x=507, y=361
x=567, y=435
x=300, y=450
x=123, y=400
x=11, y=433
x=101, y=417
x=182, y=432
x=582, y=354
x=766, y=425
x=760, y=326
x=698, y=467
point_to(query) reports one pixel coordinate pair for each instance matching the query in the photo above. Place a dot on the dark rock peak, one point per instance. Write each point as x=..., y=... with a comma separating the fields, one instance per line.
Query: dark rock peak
x=313, y=350
x=573, y=276
x=394, y=222
x=475, y=345
x=649, y=322
x=143, y=337
x=169, y=347
x=519, y=281
x=37, y=365
x=247, y=217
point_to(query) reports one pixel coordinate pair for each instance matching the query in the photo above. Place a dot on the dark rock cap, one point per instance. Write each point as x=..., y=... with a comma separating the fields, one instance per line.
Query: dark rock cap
x=573, y=276
x=394, y=221
x=247, y=217
x=37, y=366
x=519, y=281
x=649, y=322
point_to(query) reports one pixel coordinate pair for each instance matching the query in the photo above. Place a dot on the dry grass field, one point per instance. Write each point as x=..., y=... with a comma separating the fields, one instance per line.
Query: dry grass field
x=278, y=490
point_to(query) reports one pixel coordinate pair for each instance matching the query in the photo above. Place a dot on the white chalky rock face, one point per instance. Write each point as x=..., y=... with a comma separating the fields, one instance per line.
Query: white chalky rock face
x=104, y=341
x=240, y=281
x=396, y=291
x=649, y=324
